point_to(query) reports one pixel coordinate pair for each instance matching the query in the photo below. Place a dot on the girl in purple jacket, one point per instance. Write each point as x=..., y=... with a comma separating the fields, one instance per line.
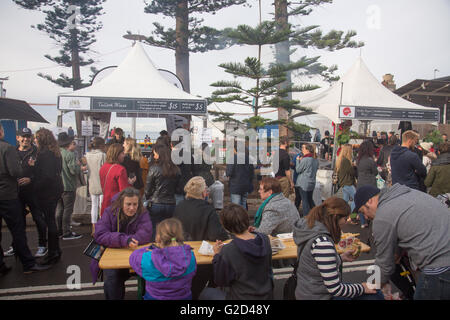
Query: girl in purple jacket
x=124, y=224
x=169, y=266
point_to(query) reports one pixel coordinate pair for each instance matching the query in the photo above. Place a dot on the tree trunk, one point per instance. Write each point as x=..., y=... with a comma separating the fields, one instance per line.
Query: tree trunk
x=282, y=56
x=76, y=75
x=182, y=47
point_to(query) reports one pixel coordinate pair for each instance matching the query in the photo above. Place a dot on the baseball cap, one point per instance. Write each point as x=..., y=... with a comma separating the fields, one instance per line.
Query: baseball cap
x=363, y=195
x=24, y=132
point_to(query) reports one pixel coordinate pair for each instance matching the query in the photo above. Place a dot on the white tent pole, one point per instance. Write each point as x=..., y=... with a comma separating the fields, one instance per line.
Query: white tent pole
x=336, y=128
x=133, y=128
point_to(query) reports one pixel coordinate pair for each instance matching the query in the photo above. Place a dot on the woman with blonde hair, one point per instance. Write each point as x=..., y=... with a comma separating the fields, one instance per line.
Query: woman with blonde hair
x=318, y=272
x=346, y=174
x=131, y=162
x=95, y=159
x=167, y=267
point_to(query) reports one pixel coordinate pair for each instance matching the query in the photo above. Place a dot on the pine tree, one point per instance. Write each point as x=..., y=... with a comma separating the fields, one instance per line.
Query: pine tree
x=189, y=35
x=307, y=37
x=266, y=91
x=72, y=25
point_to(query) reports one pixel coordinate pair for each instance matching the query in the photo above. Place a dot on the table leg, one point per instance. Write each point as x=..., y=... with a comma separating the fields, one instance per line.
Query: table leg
x=141, y=288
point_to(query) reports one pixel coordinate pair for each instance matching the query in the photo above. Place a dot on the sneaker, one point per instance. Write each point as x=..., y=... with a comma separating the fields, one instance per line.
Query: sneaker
x=41, y=251
x=9, y=253
x=75, y=224
x=72, y=236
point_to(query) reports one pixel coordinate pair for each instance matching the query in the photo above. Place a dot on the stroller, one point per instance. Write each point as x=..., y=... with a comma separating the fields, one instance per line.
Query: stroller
x=403, y=278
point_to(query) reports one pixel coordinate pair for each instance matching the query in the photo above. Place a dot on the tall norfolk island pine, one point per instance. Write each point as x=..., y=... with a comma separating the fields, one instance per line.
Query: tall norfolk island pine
x=272, y=85
x=307, y=37
x=188, y=35
x=73, y=37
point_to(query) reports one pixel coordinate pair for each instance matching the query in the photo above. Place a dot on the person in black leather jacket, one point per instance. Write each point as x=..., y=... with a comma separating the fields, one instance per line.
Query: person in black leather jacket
x=162, y=179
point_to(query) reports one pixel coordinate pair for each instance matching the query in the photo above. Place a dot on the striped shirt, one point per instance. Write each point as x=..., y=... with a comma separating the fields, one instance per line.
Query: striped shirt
x=324, y=253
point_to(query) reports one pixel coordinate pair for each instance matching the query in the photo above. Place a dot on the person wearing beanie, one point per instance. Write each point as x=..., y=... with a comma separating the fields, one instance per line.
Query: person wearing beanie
x=405, y=218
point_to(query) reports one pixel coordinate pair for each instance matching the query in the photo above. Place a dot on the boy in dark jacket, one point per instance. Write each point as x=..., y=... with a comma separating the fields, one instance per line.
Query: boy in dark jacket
x=243, y=266
x=407, y=168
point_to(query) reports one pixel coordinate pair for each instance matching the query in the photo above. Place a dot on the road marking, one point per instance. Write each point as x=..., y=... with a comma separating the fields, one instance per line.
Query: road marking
x=358, y=262
x=364, y=268
x=58, y=287
x=72, y=293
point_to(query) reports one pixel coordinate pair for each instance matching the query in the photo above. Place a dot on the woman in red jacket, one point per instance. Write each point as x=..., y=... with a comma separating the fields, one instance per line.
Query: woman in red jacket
x=113, y=176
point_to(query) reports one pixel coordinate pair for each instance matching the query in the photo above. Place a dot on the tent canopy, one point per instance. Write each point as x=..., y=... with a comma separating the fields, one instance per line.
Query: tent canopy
x=134, y=86
x=12, y=109
x=359, y=95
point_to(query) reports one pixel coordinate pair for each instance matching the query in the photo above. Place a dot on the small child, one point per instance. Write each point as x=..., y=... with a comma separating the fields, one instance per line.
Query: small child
x=168, y=266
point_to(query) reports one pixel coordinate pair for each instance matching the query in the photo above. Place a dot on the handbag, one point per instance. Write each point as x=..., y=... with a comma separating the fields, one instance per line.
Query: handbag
x=94, y=250
x=291, y=283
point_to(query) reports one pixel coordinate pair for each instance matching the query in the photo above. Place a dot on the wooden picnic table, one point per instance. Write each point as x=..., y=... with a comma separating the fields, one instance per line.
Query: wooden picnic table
x=114, y=258
x=118, y=258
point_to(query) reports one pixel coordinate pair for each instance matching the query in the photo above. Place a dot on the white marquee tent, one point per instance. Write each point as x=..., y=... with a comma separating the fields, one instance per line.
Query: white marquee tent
x=135, y=85
x=360, y=89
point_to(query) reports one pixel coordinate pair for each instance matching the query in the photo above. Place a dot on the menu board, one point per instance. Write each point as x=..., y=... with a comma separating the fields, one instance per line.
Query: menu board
x=379, y=113
x=166, y=106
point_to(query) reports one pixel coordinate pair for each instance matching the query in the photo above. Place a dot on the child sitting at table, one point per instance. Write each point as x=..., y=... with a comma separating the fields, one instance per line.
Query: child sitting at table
x=243, y=266
x=168, y=266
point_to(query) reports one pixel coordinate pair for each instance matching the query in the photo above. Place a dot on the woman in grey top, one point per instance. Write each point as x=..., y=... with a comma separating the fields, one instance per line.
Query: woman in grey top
x=306, y=168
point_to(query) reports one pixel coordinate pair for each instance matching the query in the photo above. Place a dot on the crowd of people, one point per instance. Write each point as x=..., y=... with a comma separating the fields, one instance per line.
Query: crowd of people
x=136, y=201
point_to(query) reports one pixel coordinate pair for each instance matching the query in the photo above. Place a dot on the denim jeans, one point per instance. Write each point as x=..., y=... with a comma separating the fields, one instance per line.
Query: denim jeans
x=433, y=287
x=29, y=199
x=178, y=198
x=307, y=201
x=349, y=193
x=298, y=197
x=240, y=199
x=64, y=211
x=48, y=207
x=114, y=285
x=158, y=213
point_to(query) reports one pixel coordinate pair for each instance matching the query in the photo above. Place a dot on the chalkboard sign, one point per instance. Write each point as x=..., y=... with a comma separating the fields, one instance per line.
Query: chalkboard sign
x=133, y=105
x=166, y=106
x=379, y=113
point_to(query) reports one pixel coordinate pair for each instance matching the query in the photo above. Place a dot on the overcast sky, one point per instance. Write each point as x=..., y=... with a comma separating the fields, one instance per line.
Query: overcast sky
x=407, y=38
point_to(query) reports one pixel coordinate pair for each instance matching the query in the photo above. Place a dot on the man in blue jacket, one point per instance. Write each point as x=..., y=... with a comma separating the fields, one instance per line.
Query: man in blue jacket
x=406, y=166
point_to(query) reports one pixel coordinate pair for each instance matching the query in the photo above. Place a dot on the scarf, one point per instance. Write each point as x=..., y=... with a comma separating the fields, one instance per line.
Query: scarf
x=258, y=215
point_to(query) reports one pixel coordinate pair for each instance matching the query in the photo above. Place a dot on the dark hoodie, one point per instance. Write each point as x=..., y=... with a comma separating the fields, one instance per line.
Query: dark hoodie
x=407, y=168
x=245, y=267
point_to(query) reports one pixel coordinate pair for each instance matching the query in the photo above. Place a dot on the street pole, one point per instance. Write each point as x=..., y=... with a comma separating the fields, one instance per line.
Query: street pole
x=133, y=127
x=336, y=128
